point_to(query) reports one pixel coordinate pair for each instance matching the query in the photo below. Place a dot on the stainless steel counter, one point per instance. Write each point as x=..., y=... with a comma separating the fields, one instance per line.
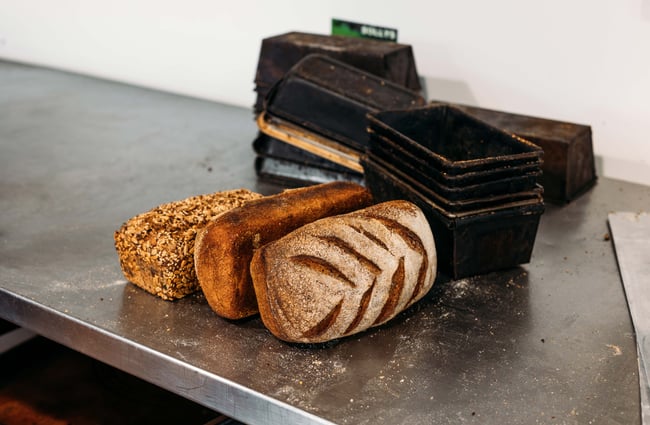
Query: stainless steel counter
x=549, y=342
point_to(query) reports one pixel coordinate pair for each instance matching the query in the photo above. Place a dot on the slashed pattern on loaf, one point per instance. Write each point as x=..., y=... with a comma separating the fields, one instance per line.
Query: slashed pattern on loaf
x=344, y=274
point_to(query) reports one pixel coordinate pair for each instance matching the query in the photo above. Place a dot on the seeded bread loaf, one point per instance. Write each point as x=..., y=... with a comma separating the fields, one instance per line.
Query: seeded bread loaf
x=156, y=248
x=342, y=275
x=224, y=248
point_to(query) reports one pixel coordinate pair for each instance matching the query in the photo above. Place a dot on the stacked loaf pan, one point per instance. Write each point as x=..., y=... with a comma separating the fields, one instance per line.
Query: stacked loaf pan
x=362, y=76
x=569, y=167
x=393, y=62
x=334, y=108
x=476, y=183
x=313, y=121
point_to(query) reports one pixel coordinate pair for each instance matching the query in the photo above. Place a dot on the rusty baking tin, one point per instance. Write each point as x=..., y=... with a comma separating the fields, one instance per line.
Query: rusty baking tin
x=451, y=140
x=491, y=182
x=472, y=242
x=569, y=165
x=267, y=146
x=391, y=61
x=332, y=98
x=461, y=203
x=297, y=174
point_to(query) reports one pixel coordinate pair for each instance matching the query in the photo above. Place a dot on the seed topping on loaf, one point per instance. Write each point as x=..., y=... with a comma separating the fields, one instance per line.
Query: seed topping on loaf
x=156, y=248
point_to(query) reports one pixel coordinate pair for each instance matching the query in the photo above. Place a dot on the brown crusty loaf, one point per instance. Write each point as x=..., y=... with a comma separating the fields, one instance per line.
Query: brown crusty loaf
x=224, y=248
x=156, y=248
x=342, y=275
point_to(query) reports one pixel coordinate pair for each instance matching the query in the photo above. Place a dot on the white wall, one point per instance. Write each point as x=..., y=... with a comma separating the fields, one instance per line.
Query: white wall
x=583, y=61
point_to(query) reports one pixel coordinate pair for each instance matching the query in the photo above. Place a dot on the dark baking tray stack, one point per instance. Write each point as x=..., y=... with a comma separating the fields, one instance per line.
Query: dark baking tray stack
x=476, y=183
x=569, y=167
x=286, y=164
x=393, y=62
x=313, y=121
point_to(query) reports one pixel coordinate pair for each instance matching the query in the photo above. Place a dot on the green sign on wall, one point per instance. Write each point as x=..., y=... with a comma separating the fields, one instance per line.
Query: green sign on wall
x=355, y=29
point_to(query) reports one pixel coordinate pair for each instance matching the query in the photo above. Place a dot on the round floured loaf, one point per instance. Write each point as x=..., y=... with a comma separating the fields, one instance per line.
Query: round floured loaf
x=344, y=274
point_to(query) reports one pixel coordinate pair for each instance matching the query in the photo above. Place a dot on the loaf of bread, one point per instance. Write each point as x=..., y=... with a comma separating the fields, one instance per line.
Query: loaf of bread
x=224, y=248
x=342, y=275
x=156, y=248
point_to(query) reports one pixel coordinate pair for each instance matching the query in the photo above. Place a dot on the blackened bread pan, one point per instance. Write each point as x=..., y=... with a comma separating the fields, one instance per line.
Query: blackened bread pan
x=271, y=147
x=331, y=98
x=296, y=174
x=470, y=243
x=391, y=61
x=569, y=165
x=497, y=181
x=452, y=141
x=463, y=205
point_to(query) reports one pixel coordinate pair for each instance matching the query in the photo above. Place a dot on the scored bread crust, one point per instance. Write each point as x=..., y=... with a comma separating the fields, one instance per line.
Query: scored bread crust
x=156, y=248
x=342, y=275
x=224, y=248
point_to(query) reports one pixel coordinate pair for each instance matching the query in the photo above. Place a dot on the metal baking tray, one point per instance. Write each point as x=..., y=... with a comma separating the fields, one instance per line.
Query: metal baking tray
x=391, y=61
x=270, y=147
x=497, y=181
x=463, y=204
x=296, y=174
x=331, y=98
x=309, y=141
x=468, y=243
x=569, y=164
x=285, y=164
x=451, y=140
